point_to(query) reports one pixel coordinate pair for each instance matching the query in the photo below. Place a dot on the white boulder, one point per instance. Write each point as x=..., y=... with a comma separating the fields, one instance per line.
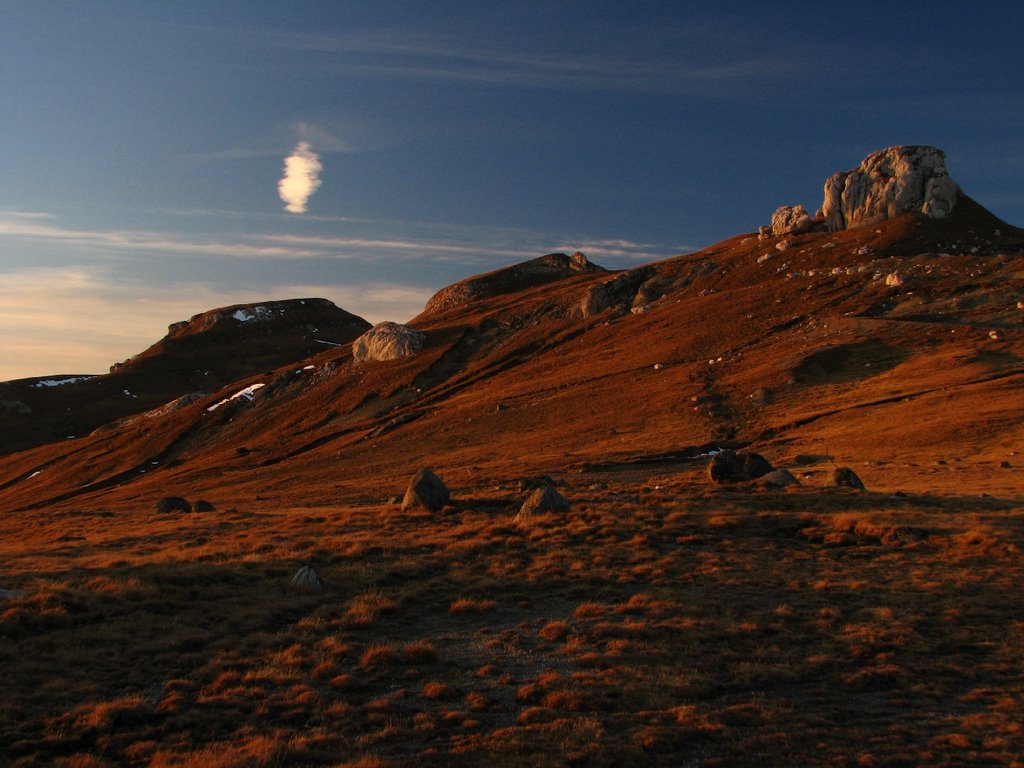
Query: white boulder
x=790, y=220
x=387, y=341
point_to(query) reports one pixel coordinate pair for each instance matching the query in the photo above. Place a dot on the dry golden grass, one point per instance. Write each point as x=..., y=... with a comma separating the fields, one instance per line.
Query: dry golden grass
x=728, y=629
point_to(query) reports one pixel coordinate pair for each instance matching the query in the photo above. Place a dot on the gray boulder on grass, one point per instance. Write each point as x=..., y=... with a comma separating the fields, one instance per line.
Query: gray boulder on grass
x=844, y=477
x=307, y=580
x=779, y=478
x=173, y=504
x=426, y=490
x=544, y=499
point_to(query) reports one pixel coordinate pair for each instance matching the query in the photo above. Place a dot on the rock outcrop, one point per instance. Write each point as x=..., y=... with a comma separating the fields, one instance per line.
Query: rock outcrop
x=890, y=182
x=387, y=341
x=617, y=293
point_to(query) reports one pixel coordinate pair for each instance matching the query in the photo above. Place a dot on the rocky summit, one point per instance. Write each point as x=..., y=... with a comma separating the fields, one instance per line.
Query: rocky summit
x=888, y=183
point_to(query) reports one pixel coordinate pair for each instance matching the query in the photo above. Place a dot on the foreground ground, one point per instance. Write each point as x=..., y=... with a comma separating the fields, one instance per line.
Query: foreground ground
x=660, y=622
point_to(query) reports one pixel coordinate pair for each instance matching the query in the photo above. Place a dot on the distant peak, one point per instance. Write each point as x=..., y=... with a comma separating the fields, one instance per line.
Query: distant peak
x=527, y=274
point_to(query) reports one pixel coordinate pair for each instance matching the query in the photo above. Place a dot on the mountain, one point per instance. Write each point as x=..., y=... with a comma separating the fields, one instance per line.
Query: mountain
x=655, y=612
x=782, y=342
x=197, y=356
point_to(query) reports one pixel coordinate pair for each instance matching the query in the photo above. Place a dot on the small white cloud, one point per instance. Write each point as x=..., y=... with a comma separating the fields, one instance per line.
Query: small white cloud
x=301, y=178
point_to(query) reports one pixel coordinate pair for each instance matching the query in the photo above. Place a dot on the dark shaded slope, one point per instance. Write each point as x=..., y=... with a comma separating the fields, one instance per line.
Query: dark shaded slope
x=200, y=355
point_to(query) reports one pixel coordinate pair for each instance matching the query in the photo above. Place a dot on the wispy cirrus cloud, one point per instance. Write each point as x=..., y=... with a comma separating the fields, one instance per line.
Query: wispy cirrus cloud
x=663, y=64
x=468, y=245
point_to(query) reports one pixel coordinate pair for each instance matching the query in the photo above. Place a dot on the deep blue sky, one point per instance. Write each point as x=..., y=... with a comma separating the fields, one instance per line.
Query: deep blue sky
x=141, y=143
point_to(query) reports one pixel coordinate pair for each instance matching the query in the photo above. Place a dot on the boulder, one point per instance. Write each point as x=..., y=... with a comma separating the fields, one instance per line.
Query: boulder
x=543, y=499
x=202, y=505
x=726, y=467
x=427, y=491
x=755, y=465
x=790, y=220
x=779, y=478
x=307, y=580
x=890, y=182
x=173, y=504
x=844, y=477
x=388, y=341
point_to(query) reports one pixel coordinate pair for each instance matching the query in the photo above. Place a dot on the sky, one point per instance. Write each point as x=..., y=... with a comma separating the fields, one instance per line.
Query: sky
x=161, y=159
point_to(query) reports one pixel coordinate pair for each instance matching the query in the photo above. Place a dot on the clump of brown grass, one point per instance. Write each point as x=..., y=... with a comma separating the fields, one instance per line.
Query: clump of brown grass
x=465, y=605
x=554, y=631
x=435, y=690
x=364, y=609
x=419, y=652
x=251, y=752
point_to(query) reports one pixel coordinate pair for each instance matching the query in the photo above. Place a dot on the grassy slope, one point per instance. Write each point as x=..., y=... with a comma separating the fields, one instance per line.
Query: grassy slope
x=663, y=621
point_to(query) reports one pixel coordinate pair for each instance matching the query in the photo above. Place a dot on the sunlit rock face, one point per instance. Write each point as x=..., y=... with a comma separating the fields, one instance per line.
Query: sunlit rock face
x=387, y=341
x=890, y=182
x=790, y=220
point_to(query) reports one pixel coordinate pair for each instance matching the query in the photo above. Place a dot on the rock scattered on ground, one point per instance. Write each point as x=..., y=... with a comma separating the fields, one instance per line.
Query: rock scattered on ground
x=779, y=478
x=426, y=490
x=543, y=499
x=173, y=504
x=729, y=467
x=844, y=477
x=387, y=341
x=307, y=580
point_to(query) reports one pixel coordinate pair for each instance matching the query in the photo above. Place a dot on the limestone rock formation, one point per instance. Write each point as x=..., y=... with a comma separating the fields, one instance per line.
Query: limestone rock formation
x=387, y=341
x=426, y=490
x=890, y=182
x=618, y=292
x=790, y=220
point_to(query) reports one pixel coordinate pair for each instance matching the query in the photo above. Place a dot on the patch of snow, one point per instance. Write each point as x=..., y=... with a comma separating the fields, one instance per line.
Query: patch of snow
x=60, y=382
x=245, y=314
x=247, y=393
